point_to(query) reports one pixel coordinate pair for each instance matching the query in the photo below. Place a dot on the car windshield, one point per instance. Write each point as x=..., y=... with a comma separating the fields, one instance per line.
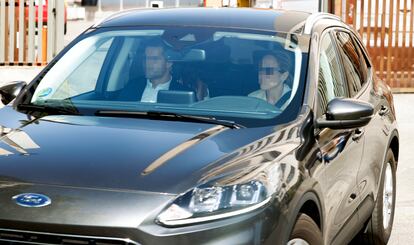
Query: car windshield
x=249, y=77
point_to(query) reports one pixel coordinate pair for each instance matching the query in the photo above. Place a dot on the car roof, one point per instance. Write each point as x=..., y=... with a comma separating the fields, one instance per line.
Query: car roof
x=239, y=18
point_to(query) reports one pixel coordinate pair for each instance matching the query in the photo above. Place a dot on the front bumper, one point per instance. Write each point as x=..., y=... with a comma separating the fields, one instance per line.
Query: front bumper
x=253, y=228
x=91, y=216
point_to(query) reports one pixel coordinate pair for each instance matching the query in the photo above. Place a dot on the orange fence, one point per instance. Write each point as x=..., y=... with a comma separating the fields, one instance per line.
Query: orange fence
x=386, y=27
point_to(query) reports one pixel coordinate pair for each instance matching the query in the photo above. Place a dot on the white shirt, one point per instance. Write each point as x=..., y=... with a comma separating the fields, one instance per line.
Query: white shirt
x=150, y=93
x=261, y=94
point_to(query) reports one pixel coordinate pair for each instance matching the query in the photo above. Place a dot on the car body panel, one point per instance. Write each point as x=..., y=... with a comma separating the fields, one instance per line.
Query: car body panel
x=134, y=142
x=209, y=17
x=113, y=176
x=359, y=155
x=380, y=133
x=278, y=146
x=131, y=207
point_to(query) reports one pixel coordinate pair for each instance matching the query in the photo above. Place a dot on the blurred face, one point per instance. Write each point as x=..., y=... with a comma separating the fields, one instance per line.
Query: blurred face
x=270, y=73
x=156, y=65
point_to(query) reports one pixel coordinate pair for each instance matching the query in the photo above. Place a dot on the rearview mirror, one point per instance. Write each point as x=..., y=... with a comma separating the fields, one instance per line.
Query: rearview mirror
x=346, y=113
x=9, y=91
x=89, y=2
x=195, y=55
x=187, y=55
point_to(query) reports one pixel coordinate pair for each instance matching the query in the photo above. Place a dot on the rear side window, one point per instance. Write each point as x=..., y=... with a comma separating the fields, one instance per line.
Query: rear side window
x=353, y=60
x=330, y=82
x=363, y=59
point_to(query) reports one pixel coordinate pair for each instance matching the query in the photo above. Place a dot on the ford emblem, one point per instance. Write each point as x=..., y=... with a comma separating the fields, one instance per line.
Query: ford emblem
x=32, y=200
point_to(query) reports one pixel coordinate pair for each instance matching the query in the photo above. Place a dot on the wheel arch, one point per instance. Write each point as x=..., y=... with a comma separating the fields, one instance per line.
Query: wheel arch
x=311, y=209
x=310, y=205
x=395, y=145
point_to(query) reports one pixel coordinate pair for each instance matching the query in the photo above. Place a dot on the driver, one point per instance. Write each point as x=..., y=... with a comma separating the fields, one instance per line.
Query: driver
x=158, y=76
x=273, y=79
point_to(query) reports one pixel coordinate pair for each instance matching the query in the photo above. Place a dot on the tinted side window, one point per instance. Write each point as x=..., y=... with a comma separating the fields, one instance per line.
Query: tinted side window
x=330, y=84
x=354, y=64
x=363, y=59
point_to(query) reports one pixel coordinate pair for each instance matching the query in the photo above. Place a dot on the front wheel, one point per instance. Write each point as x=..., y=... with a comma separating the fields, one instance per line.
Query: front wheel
x=305, y=232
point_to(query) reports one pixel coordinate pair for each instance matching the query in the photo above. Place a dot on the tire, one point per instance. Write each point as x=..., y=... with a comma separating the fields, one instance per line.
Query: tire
x=376, y=231
x=305, y=231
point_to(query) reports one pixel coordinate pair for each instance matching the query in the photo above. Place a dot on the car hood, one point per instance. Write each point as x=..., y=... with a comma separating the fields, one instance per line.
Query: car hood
x=114, y=153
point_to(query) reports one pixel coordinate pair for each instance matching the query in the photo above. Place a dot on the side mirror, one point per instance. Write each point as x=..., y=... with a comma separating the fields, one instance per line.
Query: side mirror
x=346, y=113
x=9, y=91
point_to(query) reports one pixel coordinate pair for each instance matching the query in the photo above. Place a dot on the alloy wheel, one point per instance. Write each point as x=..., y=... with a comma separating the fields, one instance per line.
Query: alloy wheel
x=388, y=196
x=297, y=241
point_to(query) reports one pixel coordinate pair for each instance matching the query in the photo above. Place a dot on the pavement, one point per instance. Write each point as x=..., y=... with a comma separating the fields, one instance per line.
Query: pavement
x=18, y=73
x=74, y=29
x=403, y=229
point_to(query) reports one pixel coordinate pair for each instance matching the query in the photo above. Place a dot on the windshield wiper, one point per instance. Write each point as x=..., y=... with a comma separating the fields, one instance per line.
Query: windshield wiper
x=170, y=115
x=55, y=110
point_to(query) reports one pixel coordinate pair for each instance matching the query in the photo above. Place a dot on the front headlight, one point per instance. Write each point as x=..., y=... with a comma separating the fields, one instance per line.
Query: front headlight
x=213, y=201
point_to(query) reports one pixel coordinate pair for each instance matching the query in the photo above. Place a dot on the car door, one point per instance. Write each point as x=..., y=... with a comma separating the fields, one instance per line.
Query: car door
x=340, y=150
x=360, y=74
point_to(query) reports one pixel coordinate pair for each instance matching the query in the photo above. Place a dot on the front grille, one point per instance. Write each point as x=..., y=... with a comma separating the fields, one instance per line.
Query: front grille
x=13, y=237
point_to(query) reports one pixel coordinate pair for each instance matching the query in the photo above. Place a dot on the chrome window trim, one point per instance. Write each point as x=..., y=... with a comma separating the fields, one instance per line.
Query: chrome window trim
x=312, y=19
x=190, y=220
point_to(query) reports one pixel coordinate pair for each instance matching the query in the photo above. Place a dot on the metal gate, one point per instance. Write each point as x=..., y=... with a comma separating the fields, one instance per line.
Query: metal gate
x=386, y=27
x=28, y=35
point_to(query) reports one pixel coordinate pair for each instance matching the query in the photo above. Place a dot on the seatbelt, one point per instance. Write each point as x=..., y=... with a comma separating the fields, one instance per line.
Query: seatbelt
x=282, y=100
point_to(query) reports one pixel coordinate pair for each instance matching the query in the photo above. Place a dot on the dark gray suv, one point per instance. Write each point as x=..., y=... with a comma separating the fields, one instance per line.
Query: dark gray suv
x=201, y=126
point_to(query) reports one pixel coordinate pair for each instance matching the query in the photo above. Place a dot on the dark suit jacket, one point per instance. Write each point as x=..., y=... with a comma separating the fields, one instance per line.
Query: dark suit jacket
x=134, y=89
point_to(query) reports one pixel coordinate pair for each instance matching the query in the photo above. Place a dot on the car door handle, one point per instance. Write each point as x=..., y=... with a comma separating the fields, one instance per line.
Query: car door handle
x=358, y=133
x=383, y=111
x=352, y=197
